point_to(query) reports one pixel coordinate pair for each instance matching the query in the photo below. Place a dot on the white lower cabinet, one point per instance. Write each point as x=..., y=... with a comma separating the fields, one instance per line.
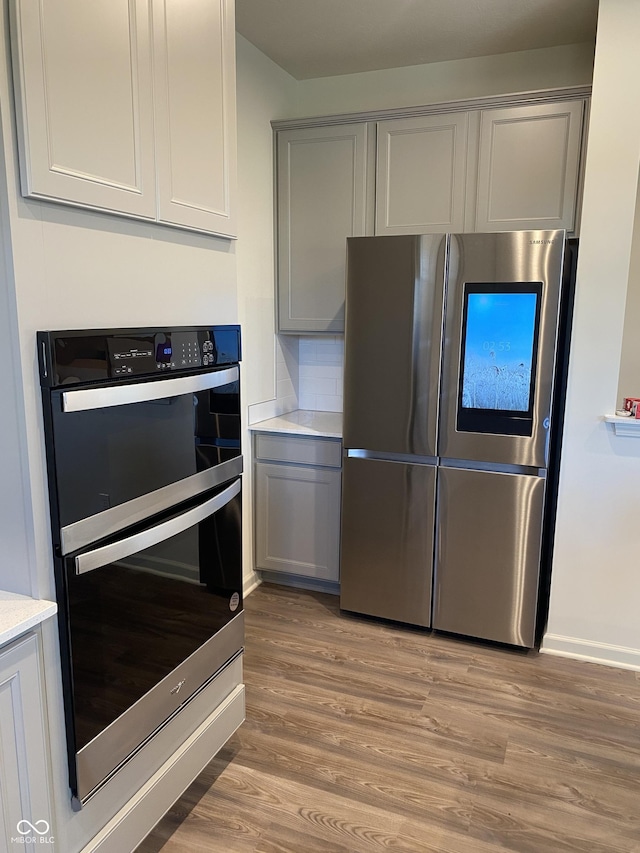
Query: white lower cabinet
x=297, y=501
x=25, y=811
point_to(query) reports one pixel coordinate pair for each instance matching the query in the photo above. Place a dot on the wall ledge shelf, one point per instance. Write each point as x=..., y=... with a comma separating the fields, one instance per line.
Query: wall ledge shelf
x=628, y=427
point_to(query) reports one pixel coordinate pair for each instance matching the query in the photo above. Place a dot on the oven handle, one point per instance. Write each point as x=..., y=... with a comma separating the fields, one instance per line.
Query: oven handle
x=132, y=544
x=120, y=395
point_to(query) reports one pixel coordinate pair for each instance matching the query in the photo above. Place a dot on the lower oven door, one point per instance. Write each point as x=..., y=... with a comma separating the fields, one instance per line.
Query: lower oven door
x=150, y=618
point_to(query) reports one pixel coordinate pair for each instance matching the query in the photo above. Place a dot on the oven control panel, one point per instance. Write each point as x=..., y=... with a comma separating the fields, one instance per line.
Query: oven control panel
x=91, y=356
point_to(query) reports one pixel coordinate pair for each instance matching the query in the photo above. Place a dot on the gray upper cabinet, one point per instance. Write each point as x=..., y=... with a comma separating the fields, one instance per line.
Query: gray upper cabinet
x=421, y=174
x=322, y=200
x=529, y=167
x=479, y=167
x=128, y=106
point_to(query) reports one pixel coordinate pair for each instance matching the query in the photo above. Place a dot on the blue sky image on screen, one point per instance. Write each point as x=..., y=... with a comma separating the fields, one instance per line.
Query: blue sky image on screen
x=498, y=351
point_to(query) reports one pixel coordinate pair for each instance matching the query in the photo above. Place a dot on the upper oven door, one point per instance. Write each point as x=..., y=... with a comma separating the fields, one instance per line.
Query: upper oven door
x=123, y=453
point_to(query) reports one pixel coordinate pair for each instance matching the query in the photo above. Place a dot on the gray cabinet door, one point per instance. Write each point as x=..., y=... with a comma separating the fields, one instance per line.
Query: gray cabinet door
x=24, y=774
x=528, y=168
x=487, y=561
x=298, y=520
x=387, y=539
x=421, y=174
x=322, y=182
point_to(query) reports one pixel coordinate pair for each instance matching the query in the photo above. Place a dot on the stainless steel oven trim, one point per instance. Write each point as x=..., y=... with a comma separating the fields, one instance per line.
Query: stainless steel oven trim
x=140, y=392
x=121, y=739
x=98, y=557
x=109, y=521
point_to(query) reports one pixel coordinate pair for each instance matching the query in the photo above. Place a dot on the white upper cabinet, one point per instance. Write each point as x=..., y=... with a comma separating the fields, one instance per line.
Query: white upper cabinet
x=529, y=167
x=85, y=100
x=322, y=191
x=421, y=170
x=128, y=106
x=194, y=80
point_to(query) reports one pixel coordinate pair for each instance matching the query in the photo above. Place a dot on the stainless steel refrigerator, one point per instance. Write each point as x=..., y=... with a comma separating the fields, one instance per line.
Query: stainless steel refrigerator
x=454, y=354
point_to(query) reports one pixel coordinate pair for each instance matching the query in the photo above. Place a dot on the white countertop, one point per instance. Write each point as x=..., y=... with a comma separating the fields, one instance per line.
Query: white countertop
x=301, y=422
x=19, y=613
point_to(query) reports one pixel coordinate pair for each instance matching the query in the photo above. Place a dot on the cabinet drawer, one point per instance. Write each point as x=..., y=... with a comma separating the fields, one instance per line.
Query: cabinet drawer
x=307, y=451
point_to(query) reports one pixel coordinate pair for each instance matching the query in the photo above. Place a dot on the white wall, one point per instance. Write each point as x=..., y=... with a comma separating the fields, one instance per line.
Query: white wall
x=595, y=595
x=270, y=363
x=629, y=382
x=263, y=90
x=550, y=68
x=16, y=533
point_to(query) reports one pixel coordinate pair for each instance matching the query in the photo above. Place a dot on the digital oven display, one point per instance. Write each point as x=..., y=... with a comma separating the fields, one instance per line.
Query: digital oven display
x=163, y=353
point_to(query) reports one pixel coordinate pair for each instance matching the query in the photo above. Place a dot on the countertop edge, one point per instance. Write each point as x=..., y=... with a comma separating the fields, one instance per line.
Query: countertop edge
x=19, y=613
x=302, y=422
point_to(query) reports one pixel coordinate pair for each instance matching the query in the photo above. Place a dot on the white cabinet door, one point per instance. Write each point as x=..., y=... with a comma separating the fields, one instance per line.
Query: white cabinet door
x=421, y=174
x=194, y=90
x=529, y=167
x=84, y=98
x=322, y=184
x=24, y=772
x=298, y=520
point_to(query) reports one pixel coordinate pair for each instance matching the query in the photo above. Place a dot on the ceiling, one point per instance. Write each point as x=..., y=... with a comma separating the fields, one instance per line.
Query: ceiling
x=321, y=38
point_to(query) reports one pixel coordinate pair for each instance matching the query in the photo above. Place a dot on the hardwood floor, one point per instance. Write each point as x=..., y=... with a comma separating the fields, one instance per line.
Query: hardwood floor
x=362, y=736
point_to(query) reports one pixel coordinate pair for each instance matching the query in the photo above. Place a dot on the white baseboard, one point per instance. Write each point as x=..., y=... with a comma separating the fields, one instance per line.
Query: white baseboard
x=249, y=584
x=603, y=653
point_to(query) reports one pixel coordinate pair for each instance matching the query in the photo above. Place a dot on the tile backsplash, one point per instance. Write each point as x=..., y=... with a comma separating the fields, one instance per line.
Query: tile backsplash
x=320, y=373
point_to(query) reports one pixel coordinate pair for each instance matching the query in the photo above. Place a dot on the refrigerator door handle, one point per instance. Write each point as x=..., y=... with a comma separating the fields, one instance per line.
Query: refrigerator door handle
x=495, y=467
x=353, y=453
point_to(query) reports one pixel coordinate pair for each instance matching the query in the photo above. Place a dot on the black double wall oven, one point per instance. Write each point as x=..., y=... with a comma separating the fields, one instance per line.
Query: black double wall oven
x=142, y=430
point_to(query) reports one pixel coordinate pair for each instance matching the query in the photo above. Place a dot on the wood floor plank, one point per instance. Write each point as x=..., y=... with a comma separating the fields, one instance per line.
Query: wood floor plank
x=363, y=736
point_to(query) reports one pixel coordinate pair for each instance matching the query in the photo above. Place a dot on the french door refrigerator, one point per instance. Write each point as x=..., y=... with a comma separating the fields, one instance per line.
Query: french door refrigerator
x=454, y=355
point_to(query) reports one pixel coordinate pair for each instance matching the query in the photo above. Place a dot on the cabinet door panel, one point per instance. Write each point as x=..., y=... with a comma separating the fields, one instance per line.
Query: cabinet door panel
x=24, y=772
x=194, y=77
x=321, y=202
x=529, y=167
x=298, y=520
x=421, y=169
x=85, y=119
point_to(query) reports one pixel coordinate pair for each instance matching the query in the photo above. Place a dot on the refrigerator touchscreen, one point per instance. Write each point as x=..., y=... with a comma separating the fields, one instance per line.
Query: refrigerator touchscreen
x=498, y=353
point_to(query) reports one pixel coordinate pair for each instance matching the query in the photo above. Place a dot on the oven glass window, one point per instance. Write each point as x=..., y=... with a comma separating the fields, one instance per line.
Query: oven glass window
x=106, y=457
x=133, y=621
